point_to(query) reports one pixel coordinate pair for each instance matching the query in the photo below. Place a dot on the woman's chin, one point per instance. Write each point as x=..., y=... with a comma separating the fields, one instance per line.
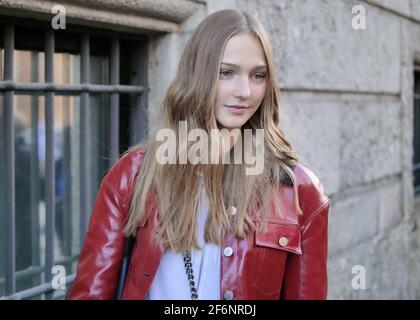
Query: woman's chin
x=233, y=124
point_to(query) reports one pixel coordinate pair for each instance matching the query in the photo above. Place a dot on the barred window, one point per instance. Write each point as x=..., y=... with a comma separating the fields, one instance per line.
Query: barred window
x=416, y=132
x=71, y=101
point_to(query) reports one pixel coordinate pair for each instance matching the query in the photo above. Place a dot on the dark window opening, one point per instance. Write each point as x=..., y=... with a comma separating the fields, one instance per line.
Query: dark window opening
x=416, y=132
x=65, y=128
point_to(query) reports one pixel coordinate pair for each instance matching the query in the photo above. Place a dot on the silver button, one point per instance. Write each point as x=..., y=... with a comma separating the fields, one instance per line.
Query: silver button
x=232, y=210
x=228, y=251
x=228, y=295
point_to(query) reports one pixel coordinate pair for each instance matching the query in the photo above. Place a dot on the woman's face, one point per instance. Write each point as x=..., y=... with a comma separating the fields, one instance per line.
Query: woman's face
x=242, y=81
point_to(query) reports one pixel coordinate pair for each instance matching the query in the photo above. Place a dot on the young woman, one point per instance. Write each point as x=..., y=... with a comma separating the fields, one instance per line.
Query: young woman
x=211, y=229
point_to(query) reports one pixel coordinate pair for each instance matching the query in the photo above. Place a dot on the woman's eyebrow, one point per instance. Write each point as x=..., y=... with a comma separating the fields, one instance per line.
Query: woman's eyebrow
x=260, y=66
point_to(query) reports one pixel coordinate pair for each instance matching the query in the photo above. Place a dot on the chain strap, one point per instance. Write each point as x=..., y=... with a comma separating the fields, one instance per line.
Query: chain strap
x=190, y=275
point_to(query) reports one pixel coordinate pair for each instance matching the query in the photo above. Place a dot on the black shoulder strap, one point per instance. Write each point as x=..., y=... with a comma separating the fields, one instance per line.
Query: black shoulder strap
x=286, y=178
x=128, y=247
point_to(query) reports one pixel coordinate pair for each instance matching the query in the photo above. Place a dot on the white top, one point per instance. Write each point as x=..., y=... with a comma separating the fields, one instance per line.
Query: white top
x=171, y=281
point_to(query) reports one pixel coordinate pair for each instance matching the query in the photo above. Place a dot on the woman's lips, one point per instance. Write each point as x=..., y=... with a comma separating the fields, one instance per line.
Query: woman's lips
x=237, y=109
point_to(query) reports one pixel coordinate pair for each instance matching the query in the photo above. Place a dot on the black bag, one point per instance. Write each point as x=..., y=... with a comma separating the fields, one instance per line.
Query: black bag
x=128, y=247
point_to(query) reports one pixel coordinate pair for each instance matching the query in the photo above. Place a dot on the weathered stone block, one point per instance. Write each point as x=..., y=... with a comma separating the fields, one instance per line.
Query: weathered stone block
x=370, y=139
x=390, y=206
x=353, y=220
x=385, y=262
x=312, y=124
x=316, y=47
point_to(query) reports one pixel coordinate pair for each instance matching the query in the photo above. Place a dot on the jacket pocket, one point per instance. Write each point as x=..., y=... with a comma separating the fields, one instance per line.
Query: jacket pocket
x=272, y=248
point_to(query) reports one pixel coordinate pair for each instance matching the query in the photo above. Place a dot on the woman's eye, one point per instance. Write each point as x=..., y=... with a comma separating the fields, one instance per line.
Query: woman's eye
x=225, y=73
x=260, y=76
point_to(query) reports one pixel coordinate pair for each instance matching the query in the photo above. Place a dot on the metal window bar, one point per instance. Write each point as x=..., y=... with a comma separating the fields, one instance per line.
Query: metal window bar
x=84, y=135
x=34, y=291
x=10, y=88
x=35, y=176
x=49, y=156
x=67, y=89
x=114, y=111
x=67, y=204
x=9, y=152
x=37, y=270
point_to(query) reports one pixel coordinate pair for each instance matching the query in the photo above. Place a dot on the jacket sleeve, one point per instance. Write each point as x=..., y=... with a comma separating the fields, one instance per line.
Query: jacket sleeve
x=101, y=256
x=306, y=274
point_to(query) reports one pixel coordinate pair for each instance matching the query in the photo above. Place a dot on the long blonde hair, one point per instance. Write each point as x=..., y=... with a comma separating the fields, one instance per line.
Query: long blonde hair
x=191, y=97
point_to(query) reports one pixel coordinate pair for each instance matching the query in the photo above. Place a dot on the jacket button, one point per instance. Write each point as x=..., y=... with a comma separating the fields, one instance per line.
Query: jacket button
x=228, y=251
x=283, y=241
x=232, y=211
x=228, y=295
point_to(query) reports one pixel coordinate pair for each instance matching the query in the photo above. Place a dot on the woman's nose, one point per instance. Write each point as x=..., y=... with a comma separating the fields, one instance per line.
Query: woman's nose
x=243, y=90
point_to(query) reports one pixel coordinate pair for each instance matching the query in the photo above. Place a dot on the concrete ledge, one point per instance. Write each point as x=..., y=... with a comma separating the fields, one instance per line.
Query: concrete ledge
x=130, y=16
x=409, y=9
x=175, y=11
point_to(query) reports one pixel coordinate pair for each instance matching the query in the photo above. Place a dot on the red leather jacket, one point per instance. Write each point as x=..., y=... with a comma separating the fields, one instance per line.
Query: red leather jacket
x=289, y=261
